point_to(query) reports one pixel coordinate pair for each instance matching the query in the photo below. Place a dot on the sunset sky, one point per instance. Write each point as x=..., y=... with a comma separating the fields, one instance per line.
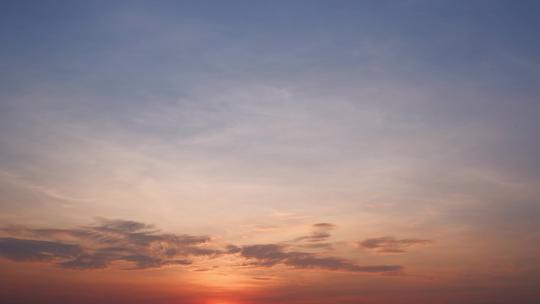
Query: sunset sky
x=270, y=152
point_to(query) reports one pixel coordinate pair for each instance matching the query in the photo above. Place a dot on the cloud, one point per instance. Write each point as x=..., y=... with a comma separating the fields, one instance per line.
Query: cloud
x=47, y=191
x=144, y=261
x=22, y=250
x=326, y=226
x=122, y=225
x=98, y=246
x=316, y=236
x=319, y=234
x=389, y=244
x=144, y=246
x=86, y=261
x=318, y=245
x=268, y=255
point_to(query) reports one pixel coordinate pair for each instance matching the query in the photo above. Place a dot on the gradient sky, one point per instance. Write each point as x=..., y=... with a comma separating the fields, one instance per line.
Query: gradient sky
x=238, y=152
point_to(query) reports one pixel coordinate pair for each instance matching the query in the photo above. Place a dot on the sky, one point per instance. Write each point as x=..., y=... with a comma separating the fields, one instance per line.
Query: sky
x=238, y=152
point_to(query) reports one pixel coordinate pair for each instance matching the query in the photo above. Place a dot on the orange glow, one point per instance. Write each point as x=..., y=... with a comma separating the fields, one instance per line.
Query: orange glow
x=222, y=302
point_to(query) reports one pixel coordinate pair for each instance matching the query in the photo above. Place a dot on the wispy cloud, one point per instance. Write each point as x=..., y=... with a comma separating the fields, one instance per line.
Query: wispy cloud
x=268, y=255
x=44, y=190
x=319, y=234
x=390, y=245
x=100, y=245
x=144, y=246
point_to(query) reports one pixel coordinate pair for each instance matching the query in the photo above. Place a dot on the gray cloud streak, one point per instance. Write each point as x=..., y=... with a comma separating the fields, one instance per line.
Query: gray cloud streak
x=22, y=250
x=111, y=241
x=269, y=255
x=144, y=246
x=389, y=244
x=320, y=233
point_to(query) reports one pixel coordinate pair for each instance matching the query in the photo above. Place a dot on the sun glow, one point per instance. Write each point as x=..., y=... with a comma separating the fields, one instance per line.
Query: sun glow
x=222, y=302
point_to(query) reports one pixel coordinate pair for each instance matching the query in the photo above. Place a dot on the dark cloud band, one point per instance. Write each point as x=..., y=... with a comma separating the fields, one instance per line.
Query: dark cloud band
x=143, y=246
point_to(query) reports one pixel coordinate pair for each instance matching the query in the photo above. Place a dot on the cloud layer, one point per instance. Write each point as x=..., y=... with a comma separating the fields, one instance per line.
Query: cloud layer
x=143, y=246
x=100, y=245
